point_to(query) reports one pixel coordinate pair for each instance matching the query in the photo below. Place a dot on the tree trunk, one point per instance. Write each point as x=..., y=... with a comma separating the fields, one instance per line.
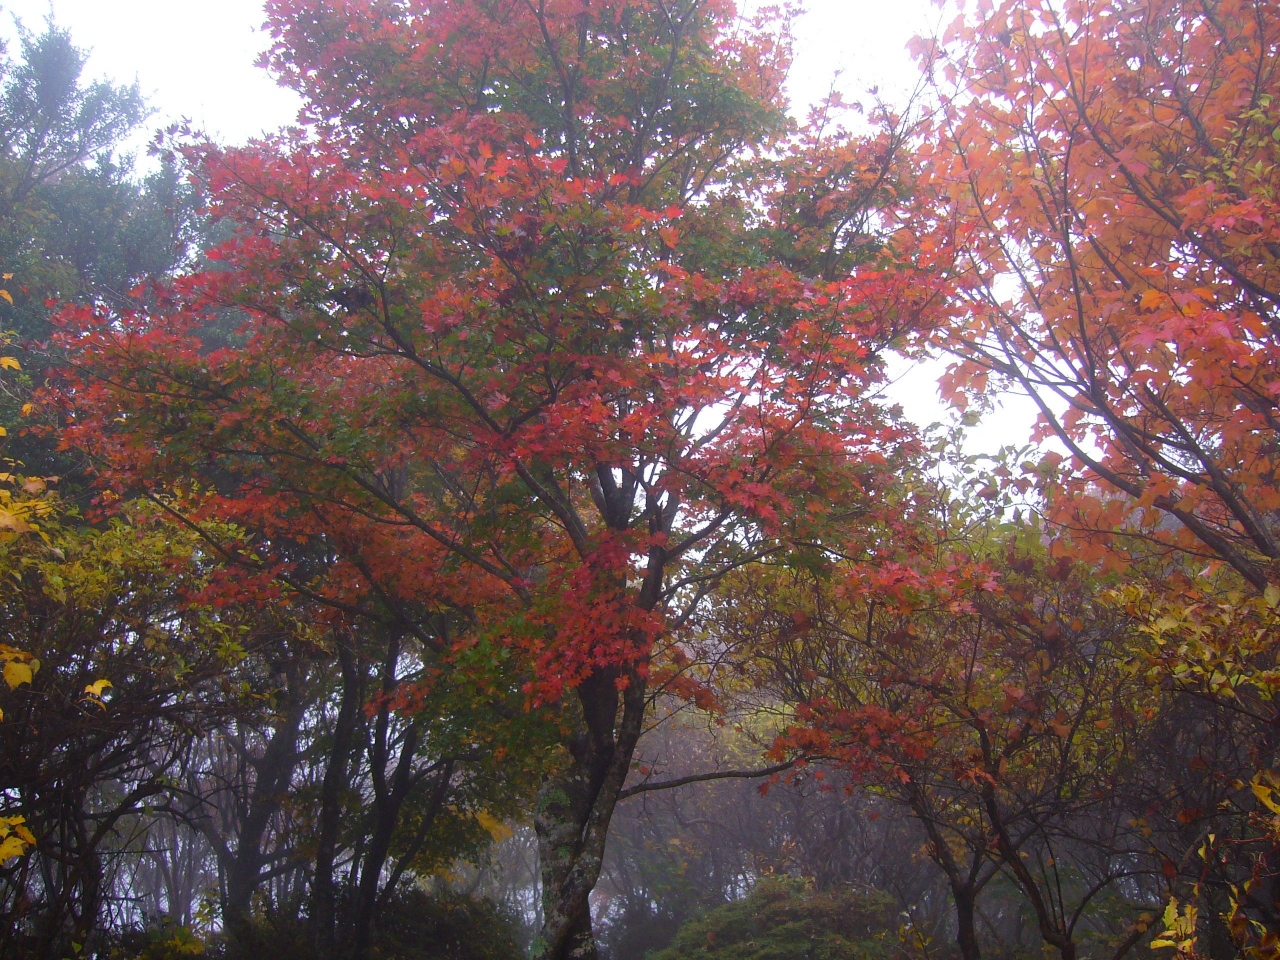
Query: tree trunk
x=323, y=895
x=389, y=796
x=966, y=929
x=273, y=773
x=964, y=884
x=386, y=816
x=574, y=808
x=1054, y=932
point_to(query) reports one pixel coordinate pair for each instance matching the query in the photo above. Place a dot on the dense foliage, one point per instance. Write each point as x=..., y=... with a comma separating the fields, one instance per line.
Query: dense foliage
x=478, y=528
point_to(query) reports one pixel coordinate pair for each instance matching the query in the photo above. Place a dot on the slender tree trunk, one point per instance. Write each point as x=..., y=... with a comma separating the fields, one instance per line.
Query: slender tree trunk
x=73, y=874
x=69, y=839
x=438, y=794
x=964, y=884
x=574, y=808
x=323, y=895
x=1053, y=931
x=389, y=795
x=386, y=811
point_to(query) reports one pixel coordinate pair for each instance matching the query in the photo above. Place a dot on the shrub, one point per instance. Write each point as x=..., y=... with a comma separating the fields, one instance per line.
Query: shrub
x=786, y=919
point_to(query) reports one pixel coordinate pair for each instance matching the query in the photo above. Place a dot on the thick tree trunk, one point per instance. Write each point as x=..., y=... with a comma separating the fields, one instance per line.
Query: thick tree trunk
x=966, y=928
x=574, y=808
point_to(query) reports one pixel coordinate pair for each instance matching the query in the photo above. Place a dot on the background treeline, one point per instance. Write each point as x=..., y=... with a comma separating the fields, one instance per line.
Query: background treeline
x=282, y=681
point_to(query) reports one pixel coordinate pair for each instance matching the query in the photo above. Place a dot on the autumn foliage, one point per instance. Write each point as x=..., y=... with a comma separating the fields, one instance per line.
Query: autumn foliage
x=543, y=324
x=529, y=398
x=1108, y=172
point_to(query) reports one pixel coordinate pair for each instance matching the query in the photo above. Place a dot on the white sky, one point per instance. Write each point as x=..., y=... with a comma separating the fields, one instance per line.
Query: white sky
x=194, y=59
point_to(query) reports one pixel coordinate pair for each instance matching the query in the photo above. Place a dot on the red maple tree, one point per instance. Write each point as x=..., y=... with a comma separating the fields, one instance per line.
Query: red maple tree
x=542, y=322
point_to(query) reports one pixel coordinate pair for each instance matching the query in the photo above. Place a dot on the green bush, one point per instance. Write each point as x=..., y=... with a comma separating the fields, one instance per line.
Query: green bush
x=786, y=919
x=412, y=926
x=444, y=927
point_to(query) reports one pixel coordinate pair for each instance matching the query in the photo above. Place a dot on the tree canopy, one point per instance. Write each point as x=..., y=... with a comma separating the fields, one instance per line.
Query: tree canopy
x=480, y=525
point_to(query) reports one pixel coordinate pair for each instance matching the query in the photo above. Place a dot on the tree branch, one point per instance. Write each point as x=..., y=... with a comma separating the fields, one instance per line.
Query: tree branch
x=701, y=777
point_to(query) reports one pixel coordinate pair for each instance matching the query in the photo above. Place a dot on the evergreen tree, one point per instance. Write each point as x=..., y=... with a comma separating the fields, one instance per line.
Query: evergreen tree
x=77, y=225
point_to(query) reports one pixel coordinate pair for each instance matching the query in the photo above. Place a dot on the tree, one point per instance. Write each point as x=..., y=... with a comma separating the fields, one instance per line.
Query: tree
x=984, y=686
x=118, y=658
x=75, y=226
x=1107, y=173
x=532, y=351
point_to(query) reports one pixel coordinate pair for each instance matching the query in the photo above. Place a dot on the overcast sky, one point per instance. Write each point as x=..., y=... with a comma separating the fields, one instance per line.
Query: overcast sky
x=194, y=59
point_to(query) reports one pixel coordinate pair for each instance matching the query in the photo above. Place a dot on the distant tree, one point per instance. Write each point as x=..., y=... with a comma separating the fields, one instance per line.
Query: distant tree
x=674, y=855
x=75, y=223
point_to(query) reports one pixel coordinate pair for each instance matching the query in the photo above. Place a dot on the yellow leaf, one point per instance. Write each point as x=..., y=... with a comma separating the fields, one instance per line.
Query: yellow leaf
x=1265, y=796
x=12, y=522
x=15, y=838
x=6, y=296
x=1151, y=298
x=9, y=363
x=26, y=409
x=496, y=828
x=95, y=689
x=16, y=674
